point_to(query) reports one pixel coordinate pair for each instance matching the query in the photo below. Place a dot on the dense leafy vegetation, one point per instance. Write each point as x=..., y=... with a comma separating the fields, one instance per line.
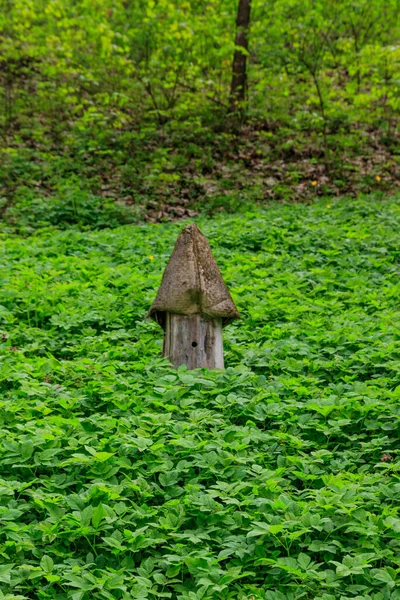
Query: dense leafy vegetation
x=110, y=101
x=275, y=479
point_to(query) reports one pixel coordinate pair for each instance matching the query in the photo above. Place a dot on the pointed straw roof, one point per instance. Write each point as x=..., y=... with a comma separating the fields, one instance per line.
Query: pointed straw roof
x=192, y=283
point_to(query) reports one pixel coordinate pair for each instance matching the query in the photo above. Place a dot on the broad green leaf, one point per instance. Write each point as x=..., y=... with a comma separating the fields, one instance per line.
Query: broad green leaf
x=47, y=564
x=98, y=514
x=5, y=572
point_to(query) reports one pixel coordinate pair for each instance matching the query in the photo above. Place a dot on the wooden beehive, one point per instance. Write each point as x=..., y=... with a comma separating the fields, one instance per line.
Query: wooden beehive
x=193, y=304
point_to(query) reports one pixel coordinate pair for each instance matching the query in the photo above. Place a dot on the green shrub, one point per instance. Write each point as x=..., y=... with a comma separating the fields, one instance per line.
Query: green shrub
x=69, y=206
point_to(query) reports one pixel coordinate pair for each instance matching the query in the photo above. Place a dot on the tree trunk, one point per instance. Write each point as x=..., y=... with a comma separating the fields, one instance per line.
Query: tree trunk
x=239, y=73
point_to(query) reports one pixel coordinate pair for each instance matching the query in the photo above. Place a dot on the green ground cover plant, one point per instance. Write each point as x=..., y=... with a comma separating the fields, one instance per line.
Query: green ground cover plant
x=278, y=478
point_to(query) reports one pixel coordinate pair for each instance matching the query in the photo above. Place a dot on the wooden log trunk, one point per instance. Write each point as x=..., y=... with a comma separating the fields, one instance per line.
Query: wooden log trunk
x=193, y=341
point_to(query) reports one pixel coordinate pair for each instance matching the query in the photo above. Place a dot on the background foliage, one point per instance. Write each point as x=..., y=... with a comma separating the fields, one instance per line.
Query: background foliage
x=128, y=101
x=276, y=479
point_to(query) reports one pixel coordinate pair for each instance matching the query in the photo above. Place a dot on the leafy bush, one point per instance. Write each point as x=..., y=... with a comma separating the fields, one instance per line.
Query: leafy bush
x=70, y=206
x=277, y=478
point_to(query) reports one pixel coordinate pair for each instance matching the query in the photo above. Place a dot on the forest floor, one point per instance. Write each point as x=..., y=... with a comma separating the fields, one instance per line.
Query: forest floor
x=178, y=170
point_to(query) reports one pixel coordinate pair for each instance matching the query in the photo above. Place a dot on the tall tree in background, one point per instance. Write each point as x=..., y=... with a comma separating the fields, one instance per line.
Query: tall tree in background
x=239, y=72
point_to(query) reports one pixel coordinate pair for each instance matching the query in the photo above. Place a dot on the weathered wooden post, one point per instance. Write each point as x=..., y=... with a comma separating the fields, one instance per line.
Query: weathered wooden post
x=193, y=304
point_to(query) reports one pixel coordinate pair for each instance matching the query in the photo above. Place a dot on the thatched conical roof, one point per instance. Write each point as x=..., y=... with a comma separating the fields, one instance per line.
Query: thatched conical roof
x=192, y=283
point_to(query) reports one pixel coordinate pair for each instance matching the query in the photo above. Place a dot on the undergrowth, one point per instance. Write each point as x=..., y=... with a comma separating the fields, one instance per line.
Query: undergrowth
x=277, y=478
